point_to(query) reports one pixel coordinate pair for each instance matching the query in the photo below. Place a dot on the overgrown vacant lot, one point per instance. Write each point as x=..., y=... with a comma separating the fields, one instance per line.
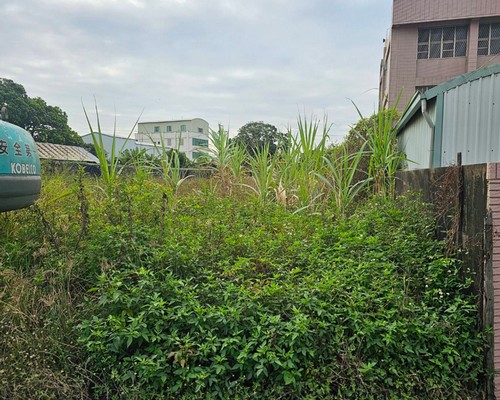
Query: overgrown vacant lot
x=130, y=292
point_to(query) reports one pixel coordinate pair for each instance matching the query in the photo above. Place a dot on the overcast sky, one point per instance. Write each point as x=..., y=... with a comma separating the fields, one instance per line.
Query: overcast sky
x=226, y=61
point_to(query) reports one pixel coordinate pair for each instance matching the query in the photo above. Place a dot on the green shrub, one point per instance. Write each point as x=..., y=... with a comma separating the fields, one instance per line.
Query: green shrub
x=214, y=296
x=240, y=301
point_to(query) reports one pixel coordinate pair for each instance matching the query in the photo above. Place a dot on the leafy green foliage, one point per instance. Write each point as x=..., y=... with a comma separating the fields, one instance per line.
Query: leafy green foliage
x=300, y=164
x=110, y=169
x=49, y=124
x=342, y=168
x=224, y=156
x=254, y=136
x=46, y=123
x=368, y=134
x=142, y=157
x=239, y=301
x=17, y=100
x=262, y=168
x=133, y=156
x=124, y=293
x=385, y=157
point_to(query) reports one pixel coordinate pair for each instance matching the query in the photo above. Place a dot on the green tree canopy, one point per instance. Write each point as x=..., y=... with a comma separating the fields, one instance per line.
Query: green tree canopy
x=358, y=136
x=46, y=123
x=18, y=102
x=255, y=135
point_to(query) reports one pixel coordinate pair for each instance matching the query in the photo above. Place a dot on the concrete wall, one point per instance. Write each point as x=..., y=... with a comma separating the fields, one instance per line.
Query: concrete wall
x=413, y=11
x=434, y=71
x=406, y=72
x=403, y=66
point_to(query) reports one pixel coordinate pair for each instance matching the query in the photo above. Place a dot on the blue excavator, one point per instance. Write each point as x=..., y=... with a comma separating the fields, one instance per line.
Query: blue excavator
x=20, y=180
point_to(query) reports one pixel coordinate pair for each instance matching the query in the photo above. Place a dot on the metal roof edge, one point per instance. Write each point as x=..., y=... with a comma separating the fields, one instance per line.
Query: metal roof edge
x=130, y=139
x=414, y=104
x=410, y=110
x=108, y=135
x=461, y=79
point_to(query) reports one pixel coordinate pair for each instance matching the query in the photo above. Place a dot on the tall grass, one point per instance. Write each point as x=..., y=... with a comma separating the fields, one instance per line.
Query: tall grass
x=385, y=157
x=171, y=166
x=220, y=155
x=255, y=282
x=262, y=166
x=237, y=162
x=301, y=160
x=342, y=168
x=109, y=169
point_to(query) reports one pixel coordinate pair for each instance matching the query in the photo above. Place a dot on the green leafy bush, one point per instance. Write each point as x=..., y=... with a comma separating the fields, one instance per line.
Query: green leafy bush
x=129, y=293
x=240, y=301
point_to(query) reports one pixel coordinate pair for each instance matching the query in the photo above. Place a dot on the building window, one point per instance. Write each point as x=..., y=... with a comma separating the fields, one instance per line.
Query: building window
x=169, y=128
x=169, y=142
x=200, y=142
x=157, y=129
x=183, y=128
x=442, y=42
x=200, y=130
x=489, y=39
x=197, y=154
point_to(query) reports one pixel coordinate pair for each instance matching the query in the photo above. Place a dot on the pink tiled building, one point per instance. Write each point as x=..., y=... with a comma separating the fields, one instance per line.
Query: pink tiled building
x=432, y=41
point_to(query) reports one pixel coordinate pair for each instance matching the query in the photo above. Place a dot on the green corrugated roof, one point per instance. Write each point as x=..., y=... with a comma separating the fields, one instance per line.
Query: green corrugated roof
x=414, y=104
x=460, y=80
x=410, y=110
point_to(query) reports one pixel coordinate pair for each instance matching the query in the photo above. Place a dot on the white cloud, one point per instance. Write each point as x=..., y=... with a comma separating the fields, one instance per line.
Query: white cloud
x=229, y=61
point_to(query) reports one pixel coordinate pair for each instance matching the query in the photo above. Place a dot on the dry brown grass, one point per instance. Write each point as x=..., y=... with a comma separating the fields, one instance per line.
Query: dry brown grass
x=35, y=329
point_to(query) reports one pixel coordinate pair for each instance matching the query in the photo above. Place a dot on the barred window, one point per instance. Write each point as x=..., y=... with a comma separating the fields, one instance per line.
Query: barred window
x=489, y=39
x=442, y=42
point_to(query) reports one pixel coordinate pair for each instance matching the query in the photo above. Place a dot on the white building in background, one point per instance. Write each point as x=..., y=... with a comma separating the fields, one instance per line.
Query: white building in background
x=187, y=135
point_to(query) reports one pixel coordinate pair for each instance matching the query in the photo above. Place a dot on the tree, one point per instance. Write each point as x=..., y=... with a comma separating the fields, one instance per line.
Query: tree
x=377, y=132
x=255, y=135
x=17, y=100
x=49, y=124
x=46, y=123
